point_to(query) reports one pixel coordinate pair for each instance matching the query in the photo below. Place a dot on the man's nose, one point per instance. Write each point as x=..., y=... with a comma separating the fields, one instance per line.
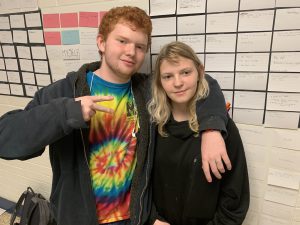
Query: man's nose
x=130, y=49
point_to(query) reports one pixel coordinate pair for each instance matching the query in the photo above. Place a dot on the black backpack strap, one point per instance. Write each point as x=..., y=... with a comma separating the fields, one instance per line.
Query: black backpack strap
x=17, y=208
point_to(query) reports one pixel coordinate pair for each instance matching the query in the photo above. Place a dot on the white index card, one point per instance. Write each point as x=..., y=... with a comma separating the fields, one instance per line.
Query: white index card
x=43, y=79
x=41, y=66
x=251, y=81
x=16, y=89
x=88, y=52
x=222, y=6
x=256, y=20
x=285, y=62
x=26, y=65
x=257, y=4
x=28, y=78
x=254, y=42
x=287, y=19
x=225, y=22
x=20, y=36
x=285, y=82
x=13, y=77
x=11, y=64
x=33, y=20
x=36, y=36
x=286, y=41
x=190, y=6
x=252, y=62
x=220, y=42
x=281, y=195
x=17, y=21
x=287, y=120
x=30, y=90
x=23, y=52
x=3, y=76
x=225, y=80
x=9, y=51
x=54, y=52
x=219, y=62
x=191, y=24
x=4, y=89
x=4, y=23
x=88, y=36
x=249, y=99
x=158, y=42
x=289, y=3
x=283, y=178
x=196, y=42
x=283, y=101
x=39, y=52
x=248, y=116
x=6, y=36
x=164, y=26
x=70, y=52
x=162, y=7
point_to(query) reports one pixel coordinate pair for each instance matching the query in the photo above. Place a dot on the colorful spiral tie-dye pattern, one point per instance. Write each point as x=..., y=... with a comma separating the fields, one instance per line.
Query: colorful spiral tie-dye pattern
x=112, y=150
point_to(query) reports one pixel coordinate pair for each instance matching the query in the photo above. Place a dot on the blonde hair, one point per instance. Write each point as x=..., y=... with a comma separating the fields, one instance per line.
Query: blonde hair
x=160, y=107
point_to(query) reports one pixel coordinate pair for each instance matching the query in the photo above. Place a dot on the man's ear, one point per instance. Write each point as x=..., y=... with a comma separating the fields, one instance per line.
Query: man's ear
x=100, y=43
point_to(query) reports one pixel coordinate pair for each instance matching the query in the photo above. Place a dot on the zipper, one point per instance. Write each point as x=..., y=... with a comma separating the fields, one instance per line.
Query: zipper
x=147, y=175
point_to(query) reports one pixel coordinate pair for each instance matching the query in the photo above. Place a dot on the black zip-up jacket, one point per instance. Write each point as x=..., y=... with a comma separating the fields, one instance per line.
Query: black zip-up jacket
x=54, y=118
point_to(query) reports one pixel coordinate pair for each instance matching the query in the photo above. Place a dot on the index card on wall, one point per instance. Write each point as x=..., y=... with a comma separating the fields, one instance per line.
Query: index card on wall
x=17, y=21
x=20, y=36
x=256, y=4
x=219, y=62
x=283, y=101
x=36, y=36
x=190, y=6
x=4, y=23
x=191, y=24
x=16, y=89
x=248, y=116
x=285, y=62
x=281, y=195
x=220, y=42
x=285, y=82
x=256, y=20
x=218, y=23
x=164, y=26
x=287, y=19
x=249, y=100
x=158, y=42
x=224, y=79
x=252, y=62
x=33, y=20
x=26, y=65
x=3, y=76
x=251, y=81
x=162, y=7
x=254, y=42
x=222, y=6
x=88, y=36
x=288, y=139
x=283, y=178
x=13, y=76
x=28, y=78
x=4, y=89
x=288, y=120
x=286, y=41
x=38, y=52
x=196, y=42
x=6, y=36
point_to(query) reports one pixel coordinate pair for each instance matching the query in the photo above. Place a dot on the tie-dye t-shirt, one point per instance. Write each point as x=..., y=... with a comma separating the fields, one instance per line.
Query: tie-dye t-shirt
x=112, y=149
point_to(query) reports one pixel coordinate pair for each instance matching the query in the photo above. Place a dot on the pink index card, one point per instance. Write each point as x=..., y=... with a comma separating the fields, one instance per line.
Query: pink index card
x=88, y=19
x=101, y=14
x=69, y=20
x=51, y=20
x=52, y=38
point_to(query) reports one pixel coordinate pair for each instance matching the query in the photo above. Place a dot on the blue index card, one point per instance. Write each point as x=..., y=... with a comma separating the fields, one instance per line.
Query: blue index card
x=70, y=37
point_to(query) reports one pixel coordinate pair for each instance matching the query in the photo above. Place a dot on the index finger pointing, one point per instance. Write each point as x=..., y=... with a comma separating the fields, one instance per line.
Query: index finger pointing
x=102, y=98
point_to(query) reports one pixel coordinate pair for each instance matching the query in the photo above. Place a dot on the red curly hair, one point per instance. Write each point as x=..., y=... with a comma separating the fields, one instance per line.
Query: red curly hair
x=135, y=16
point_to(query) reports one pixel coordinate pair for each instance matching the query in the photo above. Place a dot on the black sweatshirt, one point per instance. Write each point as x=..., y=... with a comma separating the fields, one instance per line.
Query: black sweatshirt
x=182, y=196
